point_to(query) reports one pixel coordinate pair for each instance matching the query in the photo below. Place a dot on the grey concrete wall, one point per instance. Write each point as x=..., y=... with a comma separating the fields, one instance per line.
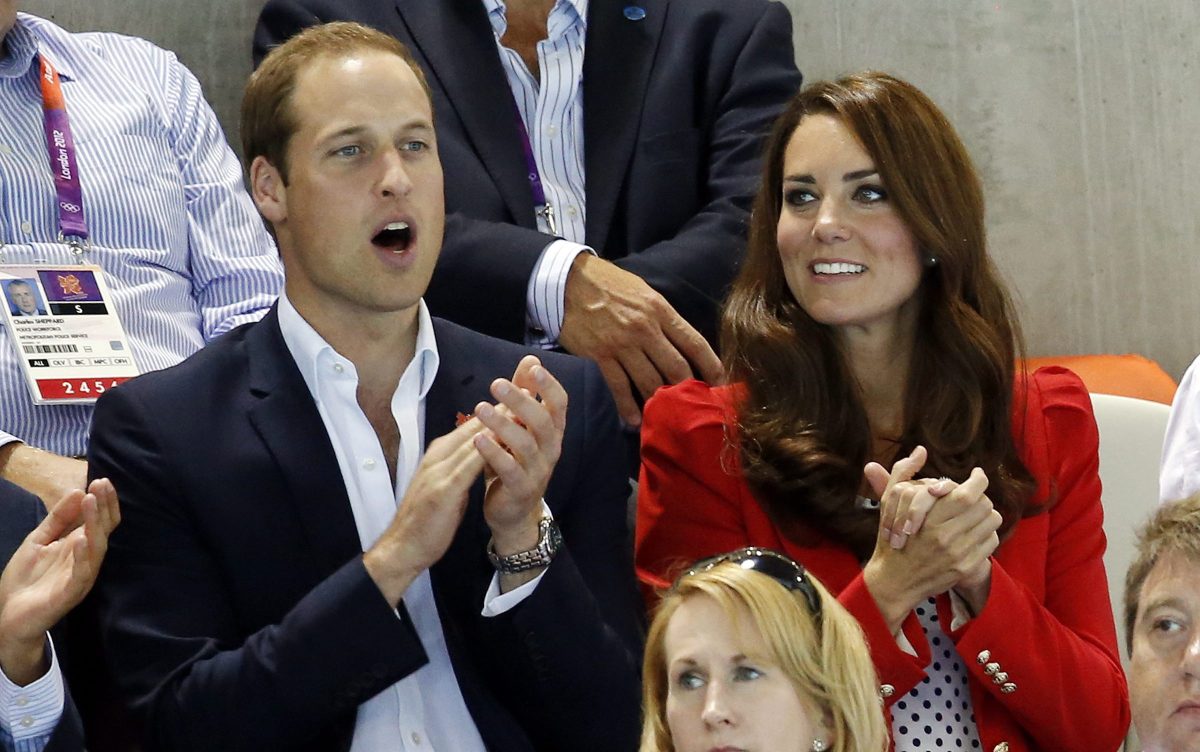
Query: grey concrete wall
x=1080, y=116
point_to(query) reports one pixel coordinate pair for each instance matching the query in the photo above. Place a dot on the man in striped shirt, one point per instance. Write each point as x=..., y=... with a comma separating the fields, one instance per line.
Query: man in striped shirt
x=184, y=253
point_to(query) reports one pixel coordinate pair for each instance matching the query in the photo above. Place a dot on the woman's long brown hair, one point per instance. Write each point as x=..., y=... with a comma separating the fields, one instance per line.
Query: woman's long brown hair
x=803, y=429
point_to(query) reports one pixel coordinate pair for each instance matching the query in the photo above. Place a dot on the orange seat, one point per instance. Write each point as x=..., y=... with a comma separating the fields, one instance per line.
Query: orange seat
x=1123, y=375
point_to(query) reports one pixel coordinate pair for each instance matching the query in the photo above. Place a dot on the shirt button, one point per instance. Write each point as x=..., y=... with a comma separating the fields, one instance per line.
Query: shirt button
x=551, y=131
x=27, y=721
x=338, y=368
x=22, y=701
x=26, y=227
x=416, y=738
x=368, y=464
x=572, y=211
x=5, y=149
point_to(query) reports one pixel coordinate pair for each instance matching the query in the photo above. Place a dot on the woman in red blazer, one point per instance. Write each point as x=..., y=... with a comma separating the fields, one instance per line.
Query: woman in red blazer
x=868, y=328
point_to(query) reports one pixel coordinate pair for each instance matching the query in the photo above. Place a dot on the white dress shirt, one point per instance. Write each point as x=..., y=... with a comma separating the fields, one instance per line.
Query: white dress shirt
x=1179, y=475
x=552, y=111
x=425, y=710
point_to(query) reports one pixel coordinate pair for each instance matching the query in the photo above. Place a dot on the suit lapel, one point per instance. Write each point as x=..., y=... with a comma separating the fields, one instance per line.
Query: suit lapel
x=286, y=419
x=458, y=387
x=613, y=93
x=457, y=41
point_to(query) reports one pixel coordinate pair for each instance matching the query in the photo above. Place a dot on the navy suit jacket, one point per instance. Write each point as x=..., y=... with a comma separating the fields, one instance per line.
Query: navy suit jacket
x=20, y=513
x=676, y=107
x=235, y=609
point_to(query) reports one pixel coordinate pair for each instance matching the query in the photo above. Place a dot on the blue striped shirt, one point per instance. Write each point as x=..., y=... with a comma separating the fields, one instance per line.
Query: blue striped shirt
x=184, y=251
x=552, y=110
x=29, y=714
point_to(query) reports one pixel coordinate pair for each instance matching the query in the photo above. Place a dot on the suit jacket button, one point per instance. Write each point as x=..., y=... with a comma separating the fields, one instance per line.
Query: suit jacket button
x=991, y=669
x=1001, y=747
x=886, y=690
x=1008, y=688
x=1001, y=677
x=984, y=656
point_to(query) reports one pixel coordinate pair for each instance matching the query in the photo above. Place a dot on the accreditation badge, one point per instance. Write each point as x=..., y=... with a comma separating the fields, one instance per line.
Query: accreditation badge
x=69, y=339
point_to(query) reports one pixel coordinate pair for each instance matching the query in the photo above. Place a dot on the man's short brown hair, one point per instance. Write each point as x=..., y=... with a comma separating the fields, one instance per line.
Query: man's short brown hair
x=1173, y=530
x=268, y=121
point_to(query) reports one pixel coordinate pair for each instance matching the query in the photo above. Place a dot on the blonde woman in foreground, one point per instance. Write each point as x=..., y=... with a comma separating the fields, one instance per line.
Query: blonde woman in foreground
x=748, y=652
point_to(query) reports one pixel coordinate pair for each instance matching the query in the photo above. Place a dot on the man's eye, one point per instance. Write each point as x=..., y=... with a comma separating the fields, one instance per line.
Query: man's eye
x=798, y=197
x=414, y=146
x=349, y=150
x=1166, y=625
x=870, y=194
x=746, y=673
x=689, y=680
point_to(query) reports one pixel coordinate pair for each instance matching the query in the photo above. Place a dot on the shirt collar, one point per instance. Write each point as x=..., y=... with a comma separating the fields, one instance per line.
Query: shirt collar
x=497, y=11
x=23, y=44
x=308, y=348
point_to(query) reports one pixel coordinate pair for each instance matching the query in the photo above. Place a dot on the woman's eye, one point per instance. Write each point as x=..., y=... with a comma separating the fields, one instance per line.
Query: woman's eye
x=689, y=680
x=870, y=194
x=746, y=673
x=798, y=197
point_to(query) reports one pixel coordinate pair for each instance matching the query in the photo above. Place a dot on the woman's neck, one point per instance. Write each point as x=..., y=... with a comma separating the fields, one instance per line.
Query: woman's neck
x=879, y=358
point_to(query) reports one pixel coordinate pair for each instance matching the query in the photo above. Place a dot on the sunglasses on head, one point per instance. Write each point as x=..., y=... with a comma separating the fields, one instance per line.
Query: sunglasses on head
x=775, y=565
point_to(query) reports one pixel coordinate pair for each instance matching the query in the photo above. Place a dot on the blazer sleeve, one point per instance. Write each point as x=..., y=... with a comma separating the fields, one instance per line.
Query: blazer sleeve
x=694, y=268
x=1067, y=635
x=583, y=619
x=172, y=636
x=689, y=496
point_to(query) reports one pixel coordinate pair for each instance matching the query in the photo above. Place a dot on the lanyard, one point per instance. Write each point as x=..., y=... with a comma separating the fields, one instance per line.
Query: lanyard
x=72, y=227
x=541, y=207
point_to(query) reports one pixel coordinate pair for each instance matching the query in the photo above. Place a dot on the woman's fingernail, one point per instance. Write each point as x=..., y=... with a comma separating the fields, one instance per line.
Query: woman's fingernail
x=908, y=527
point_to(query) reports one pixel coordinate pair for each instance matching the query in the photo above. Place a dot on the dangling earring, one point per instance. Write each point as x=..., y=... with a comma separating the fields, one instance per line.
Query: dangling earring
x=819, y=745
x=931, y=261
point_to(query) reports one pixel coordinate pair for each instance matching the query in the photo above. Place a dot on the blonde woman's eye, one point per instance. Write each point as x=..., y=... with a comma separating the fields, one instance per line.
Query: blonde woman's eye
x=689, y=680
x=746, y=673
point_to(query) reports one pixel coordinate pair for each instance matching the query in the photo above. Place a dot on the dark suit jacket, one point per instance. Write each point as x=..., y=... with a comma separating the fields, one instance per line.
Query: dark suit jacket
x=235, y=607
x=20, y=513
x=676, y=107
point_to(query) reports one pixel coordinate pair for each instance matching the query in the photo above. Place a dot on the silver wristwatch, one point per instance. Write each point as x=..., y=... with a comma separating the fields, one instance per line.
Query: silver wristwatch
x=549, y=542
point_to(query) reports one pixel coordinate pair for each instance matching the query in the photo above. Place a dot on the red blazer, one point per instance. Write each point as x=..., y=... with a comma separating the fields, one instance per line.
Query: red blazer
x=1048, y=623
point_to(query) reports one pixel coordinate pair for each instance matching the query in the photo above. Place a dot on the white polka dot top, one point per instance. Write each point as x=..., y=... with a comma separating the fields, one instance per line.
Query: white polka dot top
x=936, y=714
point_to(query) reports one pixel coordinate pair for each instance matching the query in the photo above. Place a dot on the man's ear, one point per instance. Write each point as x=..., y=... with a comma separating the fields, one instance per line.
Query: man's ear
x=268, y=190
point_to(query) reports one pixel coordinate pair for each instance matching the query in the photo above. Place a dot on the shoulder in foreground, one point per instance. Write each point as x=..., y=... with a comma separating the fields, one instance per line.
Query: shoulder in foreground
x=107, y=44
x=693, y=401
x=501, y=353
x=1057, y=387
x=216, y=361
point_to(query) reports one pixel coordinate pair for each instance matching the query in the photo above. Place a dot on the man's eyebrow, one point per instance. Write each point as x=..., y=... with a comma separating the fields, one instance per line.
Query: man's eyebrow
x=1169, y=601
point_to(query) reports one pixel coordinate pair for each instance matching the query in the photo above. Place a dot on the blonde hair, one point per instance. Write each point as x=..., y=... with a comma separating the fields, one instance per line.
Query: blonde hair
x=826, y=661
x=1174, y=529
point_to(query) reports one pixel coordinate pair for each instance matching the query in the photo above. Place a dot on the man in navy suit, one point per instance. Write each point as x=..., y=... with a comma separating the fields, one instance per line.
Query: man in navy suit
x=644, y=118
x=49, y=564
x=313, y=556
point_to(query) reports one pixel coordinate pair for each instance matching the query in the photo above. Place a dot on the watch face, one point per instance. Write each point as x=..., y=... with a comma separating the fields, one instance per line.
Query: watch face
x=554, y=539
